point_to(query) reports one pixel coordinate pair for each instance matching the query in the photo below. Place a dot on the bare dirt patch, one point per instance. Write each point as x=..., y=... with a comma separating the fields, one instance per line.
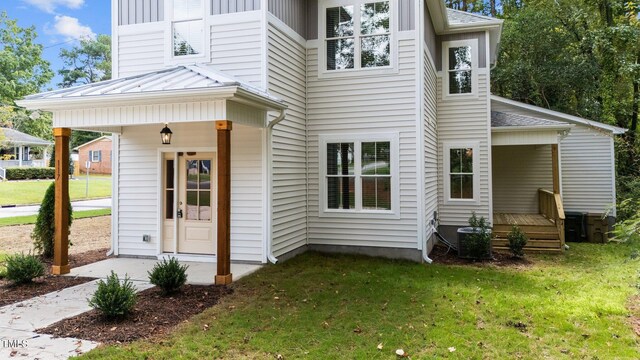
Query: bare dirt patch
x=634, y=317
x=10, y=293
x=154, y=315
x=442, y=255
x=86, y=234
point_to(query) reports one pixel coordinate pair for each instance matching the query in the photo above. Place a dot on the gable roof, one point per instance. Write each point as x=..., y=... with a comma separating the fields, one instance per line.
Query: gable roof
x=562, y=116
x=506, y=120
x=196, y=79
x=104, y=137
x=457, y=17
x=15, y=137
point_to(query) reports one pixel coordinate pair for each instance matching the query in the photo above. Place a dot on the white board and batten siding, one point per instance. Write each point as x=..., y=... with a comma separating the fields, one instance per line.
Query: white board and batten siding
x=586, y=164
x=138, y=184
x=355, y=105
x=140, y=11
x=287, y=80
x=219, y=7
x=465, y=120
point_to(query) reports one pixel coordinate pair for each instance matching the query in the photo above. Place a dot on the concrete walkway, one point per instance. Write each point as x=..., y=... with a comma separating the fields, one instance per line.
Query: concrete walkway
x=19, y=321
x=77, y=206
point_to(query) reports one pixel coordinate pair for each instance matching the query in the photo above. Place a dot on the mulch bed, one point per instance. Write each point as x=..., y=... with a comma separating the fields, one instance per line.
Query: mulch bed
x=442, y=255
x=10, y=293
x=154, y=315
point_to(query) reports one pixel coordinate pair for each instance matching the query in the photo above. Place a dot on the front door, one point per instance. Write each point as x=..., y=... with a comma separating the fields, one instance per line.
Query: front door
x=196, y=213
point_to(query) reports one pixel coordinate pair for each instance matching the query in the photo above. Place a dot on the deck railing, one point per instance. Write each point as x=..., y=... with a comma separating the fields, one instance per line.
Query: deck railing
x=550, y=206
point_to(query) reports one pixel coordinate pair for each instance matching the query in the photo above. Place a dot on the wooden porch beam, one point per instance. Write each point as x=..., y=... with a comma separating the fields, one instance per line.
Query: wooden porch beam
x=61, y=222
x=555, y=164
x=223, y=276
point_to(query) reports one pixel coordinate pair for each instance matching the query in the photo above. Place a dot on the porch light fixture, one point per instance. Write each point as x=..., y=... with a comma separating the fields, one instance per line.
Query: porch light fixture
x=165, y=134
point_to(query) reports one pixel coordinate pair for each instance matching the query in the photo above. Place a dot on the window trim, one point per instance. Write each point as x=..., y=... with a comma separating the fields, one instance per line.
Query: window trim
x=357, y=70
x=446, y=45
x=205, y=56
x=447, y=146
x=358, y=212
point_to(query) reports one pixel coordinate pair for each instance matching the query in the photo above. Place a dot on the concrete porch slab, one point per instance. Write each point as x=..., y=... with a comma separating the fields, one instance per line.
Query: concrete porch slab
x=198, y=273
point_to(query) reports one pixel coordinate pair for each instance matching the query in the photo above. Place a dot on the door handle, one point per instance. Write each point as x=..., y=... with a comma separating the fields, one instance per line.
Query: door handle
x=179, y=214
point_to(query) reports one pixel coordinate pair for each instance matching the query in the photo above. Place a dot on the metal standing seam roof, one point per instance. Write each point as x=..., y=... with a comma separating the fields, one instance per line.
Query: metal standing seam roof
x=12, y=136
x=184, y=77
x=501, y=119
x=457, y=17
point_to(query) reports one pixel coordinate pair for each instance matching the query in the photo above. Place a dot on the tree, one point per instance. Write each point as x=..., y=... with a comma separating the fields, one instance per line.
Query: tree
x=22, y=69
x=44, y=232
x=86, y=63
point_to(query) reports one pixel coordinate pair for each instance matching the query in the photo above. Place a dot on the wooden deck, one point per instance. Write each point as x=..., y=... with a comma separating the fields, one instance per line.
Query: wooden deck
x=542, y=233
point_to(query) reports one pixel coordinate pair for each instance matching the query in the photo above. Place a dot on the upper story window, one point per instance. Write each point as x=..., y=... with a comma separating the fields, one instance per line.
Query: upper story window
x=460, y=65
x=188, y=27
x=358, y=36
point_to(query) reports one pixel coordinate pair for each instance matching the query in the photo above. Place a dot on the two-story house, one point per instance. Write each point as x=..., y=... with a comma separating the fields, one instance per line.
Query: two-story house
x=333, y=125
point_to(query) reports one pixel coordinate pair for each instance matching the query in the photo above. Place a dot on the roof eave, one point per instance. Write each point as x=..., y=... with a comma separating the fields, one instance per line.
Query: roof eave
x=503, y=129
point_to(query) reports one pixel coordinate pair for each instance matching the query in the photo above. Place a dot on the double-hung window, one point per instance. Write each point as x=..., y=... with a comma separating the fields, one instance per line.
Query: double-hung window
x=187, y=28
x=358, y=36
x=460, y=65
x=359, y=175
x=461, y=172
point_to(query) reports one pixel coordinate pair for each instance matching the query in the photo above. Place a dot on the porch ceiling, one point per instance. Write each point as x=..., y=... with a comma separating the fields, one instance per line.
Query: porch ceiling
x=516, y=129
x=178, y=94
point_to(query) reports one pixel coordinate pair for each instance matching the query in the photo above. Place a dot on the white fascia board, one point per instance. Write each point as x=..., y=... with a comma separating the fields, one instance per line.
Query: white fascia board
x=506, y=129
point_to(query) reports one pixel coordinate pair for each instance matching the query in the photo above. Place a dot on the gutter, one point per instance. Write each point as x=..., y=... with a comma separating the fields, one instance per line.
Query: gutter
x=272, y=259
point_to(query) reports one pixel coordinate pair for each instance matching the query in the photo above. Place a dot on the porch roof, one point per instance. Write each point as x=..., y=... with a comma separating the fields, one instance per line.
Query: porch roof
x=514, y=122
x=515, y=129
x=15, y=137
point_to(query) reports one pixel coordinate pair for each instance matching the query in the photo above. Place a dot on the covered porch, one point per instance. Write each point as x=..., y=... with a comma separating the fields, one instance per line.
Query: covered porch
x=174, y=174
x=527, y=180
x=16, y=150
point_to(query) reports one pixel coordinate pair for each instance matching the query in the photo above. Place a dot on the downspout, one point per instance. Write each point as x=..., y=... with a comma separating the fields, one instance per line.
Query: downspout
x=272, y=259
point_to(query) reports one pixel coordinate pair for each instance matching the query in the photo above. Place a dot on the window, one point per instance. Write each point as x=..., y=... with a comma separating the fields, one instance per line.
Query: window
x=96, y=156
x=199, y=190
x=460, y=67
x=359, y=175
x=358, y=36
x=168, y=188
x=461, y=162
x=187, y=27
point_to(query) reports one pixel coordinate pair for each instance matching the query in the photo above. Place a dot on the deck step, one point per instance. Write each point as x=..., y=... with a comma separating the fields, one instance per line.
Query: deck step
x=546, y=235
x=531, y=244
x=526, y=228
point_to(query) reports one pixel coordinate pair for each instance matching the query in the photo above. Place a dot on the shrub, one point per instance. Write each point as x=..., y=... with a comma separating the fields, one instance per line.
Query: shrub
x=517, y=241
x=168, y=275
x=44, y=232
x=478, y=243
x=22, y=269
x=30, y=173
x=114, y=298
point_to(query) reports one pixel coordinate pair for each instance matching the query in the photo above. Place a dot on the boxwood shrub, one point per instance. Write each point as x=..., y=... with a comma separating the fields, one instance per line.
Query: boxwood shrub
x=30, y=173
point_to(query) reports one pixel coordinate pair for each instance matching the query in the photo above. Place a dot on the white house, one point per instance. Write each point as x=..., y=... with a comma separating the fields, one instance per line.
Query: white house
x=352, y=125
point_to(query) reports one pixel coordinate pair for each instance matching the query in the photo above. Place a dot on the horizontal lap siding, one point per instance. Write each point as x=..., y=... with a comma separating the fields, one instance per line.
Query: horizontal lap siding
x=587, y=172
x=140, y=53
x=461, y=120
x=236, y=50
x=287, y=77
x=138, y=186
x=429, y=103
x=362, y=105
x=518, y=173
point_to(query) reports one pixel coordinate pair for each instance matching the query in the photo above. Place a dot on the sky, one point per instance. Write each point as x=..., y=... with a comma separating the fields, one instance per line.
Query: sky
x=60, y=24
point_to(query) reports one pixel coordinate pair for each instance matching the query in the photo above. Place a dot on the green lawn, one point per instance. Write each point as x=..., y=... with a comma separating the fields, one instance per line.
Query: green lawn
x=31, y=219
x=2, y=267
x=32, y=192
x=569, y=306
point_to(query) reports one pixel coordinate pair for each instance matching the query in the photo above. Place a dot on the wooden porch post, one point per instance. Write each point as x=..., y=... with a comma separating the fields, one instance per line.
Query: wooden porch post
x=555, y=168
x=61, y=222
x=223, y=276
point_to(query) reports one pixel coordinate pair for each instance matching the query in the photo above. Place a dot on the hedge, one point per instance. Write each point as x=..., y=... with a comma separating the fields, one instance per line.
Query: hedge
x=30, y=173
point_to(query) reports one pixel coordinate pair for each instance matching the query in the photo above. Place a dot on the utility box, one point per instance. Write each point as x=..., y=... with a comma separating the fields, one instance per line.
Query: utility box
x=575, y=226
x=464, y=250
x=597, y=228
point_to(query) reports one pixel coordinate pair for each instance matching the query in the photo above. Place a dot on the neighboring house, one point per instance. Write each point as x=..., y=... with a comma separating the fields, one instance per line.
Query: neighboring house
x=97, y=153
x=357, y=126
x=16, y=149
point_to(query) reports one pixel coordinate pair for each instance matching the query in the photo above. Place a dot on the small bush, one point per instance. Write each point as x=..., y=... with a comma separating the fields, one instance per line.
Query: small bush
x=44, y=232
x=168, y=275
x=517, y=241
x=478, y=244
x=114, y=298
x=22, y=269
x=30, y=173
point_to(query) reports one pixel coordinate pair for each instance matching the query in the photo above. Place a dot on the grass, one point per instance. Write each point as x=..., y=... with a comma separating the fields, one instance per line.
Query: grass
x=32, y=192
x=3, y=270
x=332, y=307
x=31, y=219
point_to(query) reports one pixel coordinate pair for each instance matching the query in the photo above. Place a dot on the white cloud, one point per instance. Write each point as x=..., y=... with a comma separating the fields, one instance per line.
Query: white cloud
x=51, y=5
x=70, y=28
